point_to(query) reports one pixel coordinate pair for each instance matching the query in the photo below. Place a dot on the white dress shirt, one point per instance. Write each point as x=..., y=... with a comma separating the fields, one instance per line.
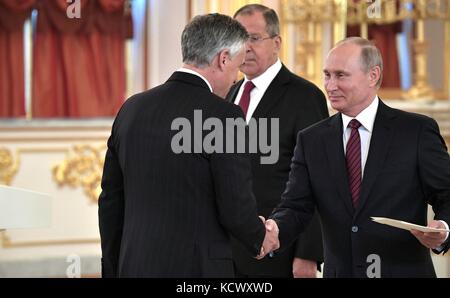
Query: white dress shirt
x=367, y=119
x=187, y=70
x=261, y=83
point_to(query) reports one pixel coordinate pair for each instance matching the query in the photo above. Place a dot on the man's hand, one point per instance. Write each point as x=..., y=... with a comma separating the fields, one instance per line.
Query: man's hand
x=431, y=239
x=302, y=268
x=271, y=241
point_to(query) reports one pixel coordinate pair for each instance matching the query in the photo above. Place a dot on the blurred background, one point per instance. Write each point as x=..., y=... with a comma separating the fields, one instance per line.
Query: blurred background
x=66, y=67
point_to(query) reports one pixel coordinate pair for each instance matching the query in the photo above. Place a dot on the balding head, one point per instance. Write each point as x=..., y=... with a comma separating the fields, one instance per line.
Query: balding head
x=370, y=55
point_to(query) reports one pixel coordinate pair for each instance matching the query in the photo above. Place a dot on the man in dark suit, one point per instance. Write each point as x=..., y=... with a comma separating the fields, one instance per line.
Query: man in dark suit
x=367, y=160
x=297, y=103
x=166, y=212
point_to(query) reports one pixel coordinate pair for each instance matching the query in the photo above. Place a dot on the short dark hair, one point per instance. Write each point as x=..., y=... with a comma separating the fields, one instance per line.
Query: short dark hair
x=207, y=35
x=270, y=16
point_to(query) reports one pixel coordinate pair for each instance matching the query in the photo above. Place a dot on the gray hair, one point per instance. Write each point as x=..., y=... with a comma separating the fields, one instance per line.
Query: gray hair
x=207, y=35
x=270, y=16
x=370, y=54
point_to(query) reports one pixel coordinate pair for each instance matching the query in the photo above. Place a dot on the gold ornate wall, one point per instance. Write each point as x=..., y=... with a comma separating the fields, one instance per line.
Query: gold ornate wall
x=311, y=18
x=227, y=7
x=64, y=159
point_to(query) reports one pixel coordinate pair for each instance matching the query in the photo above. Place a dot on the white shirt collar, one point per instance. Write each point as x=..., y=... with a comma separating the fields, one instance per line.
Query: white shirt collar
x=366, y=117
x=187, y=70
x=263, y=81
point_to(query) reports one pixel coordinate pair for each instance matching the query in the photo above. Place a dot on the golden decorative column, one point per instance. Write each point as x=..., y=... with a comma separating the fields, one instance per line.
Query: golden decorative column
x=421, y=89
x=307, y=18
x=227, y=7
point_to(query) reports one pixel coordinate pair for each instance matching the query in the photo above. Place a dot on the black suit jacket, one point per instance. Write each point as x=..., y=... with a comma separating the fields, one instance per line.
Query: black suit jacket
x=163, y=214
x=297, y=103
x=407, y=167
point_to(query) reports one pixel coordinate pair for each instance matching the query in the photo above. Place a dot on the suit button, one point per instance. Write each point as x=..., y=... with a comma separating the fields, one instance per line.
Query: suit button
x=354, y=229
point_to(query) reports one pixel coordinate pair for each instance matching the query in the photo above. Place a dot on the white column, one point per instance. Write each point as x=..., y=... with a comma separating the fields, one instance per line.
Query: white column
x=167, y=20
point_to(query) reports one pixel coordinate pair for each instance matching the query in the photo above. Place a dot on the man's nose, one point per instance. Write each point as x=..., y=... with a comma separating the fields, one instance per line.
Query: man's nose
x=330, y=84
x=247, y=47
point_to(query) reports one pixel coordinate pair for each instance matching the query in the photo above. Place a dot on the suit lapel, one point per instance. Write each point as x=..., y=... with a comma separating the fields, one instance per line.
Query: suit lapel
x=270, y=97
x=379, y=144
x=273, y=93
x=336, y=160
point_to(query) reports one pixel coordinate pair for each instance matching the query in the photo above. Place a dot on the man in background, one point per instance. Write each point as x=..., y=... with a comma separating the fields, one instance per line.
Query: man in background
x=270, y=90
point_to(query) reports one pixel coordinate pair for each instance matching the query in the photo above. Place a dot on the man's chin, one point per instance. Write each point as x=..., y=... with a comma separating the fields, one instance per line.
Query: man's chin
x=248, y=71
x=336, y=105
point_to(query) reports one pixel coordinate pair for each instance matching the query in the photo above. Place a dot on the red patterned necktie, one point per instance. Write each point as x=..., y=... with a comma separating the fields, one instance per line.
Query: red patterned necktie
x=245, y=98
x=353, y=159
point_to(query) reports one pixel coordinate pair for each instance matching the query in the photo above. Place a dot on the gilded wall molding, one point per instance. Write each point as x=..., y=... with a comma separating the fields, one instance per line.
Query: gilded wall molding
x=307, y=17
x=8, y=166
x=5, y=242
x=82, y=167
x=6, y=162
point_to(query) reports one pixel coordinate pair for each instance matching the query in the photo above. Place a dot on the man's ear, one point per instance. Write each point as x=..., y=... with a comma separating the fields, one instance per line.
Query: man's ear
x=224, y=58
x=374, y=75
x=277, y=40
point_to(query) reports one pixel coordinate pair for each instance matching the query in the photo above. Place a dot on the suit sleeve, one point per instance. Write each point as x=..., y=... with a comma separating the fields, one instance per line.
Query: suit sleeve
x=308, y=245
x=296, y=208
x=111, y=210
x=236, y=203
x=434, y=169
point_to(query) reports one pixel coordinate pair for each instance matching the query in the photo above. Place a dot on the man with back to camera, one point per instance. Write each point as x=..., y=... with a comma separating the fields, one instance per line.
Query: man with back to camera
x=168, y=214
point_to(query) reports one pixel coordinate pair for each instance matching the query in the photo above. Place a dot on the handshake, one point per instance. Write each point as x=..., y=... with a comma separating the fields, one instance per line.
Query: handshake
x=271, y=241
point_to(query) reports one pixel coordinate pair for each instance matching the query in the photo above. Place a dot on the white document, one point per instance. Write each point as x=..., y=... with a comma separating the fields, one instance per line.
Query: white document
x=405, y=225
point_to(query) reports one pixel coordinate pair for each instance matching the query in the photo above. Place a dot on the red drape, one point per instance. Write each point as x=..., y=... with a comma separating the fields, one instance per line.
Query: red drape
x=79, y=64
x=13, y=13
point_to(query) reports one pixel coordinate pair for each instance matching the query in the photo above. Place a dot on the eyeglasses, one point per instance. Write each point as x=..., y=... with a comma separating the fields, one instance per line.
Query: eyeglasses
x=258, y=39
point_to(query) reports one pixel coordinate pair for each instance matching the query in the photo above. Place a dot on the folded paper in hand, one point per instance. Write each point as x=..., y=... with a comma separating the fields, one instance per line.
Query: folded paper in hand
x=405, y=225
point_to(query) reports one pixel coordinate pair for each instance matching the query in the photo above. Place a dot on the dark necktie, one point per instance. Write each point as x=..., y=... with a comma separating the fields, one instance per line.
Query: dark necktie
x=245, y=98
x=353, y=159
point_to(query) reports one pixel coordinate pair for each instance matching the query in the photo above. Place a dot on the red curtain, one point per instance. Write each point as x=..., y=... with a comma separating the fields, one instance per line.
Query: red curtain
x=13, y=14
x=79, y=63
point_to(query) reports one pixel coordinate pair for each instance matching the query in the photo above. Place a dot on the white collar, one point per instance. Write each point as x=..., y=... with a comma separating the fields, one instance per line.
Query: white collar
x=187, y=70
x=366, y=117
x=263, y=81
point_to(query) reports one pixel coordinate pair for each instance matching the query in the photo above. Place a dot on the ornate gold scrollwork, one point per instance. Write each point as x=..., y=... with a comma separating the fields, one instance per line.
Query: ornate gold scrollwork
x=83, y=167
x=309, y=15
x=8, y=166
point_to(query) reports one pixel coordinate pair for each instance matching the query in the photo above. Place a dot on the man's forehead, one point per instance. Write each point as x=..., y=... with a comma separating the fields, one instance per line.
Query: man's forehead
x=335, y=63
x=340, y=59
